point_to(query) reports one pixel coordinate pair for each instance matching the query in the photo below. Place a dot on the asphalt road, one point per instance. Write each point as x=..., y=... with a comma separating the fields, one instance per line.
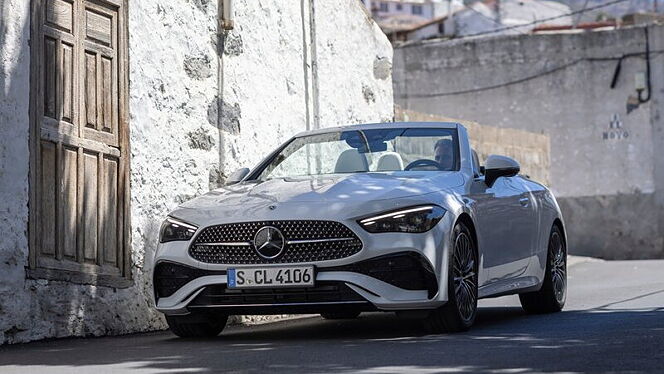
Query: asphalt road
x=613, y=322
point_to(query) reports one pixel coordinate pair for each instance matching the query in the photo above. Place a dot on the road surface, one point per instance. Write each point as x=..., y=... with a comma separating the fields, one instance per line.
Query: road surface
x=613, y=322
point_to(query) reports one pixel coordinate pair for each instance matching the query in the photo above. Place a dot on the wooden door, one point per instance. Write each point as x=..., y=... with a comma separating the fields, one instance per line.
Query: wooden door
x=79, y=188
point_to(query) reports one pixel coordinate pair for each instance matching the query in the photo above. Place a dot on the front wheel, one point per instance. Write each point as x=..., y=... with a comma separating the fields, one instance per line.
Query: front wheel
x=551, y=297
x=458, y=314
x=197, y=325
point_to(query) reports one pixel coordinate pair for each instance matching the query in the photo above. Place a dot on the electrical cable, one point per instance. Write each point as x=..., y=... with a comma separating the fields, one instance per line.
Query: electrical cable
x=469, y=7
x=578, y=19
x=599, y=6
x=506, y=28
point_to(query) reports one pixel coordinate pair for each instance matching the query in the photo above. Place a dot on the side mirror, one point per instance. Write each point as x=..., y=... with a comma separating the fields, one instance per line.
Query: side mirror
x=237, y=176
x=499, y=166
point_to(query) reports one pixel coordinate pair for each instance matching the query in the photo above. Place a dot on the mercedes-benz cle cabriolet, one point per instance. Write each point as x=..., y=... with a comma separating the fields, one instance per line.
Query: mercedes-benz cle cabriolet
x=393, y=217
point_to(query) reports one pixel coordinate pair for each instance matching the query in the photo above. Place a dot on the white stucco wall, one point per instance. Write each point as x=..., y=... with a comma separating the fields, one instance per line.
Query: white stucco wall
x=355, y=85
x=14, y=99
x=200, y=106
x=271, y=77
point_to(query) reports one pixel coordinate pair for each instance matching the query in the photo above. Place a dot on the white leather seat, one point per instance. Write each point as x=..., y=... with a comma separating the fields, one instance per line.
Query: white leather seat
x=351, y=161
x=389, y=161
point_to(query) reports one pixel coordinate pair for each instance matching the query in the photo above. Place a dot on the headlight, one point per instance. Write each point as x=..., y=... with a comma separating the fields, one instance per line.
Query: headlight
x=172, y=230
x=414, y=219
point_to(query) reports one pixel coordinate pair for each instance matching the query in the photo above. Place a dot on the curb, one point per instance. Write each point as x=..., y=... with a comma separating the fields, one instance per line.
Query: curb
x=576, y=260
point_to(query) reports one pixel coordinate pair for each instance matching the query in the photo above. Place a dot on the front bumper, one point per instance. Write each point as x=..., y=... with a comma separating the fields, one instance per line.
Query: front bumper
x=368, y=280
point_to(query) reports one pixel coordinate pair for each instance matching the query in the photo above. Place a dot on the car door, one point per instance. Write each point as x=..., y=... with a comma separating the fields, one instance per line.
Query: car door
x=528, y=217
x=500, y=225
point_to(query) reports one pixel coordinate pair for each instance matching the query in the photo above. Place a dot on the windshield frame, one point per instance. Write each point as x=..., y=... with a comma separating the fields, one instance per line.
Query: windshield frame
x=265, y=163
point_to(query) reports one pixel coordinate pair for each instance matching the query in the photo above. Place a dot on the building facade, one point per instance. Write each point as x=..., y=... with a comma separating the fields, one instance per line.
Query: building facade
x=425, y=9
x=116, y=111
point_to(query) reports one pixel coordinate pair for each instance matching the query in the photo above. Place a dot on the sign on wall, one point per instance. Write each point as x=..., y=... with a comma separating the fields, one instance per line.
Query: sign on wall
x=615, y=130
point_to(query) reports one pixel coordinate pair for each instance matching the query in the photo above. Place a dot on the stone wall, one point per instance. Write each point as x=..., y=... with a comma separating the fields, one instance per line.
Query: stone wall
x=201, y=104
x=607, y=165
x=531, y=150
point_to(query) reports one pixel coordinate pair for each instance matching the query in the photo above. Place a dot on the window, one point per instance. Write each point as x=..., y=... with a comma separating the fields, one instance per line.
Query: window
x=441, y=28
x=384, y=7
x=361, y=151
x=477, y=169
x=416, y=9
x=78, y=171
x=399, y=7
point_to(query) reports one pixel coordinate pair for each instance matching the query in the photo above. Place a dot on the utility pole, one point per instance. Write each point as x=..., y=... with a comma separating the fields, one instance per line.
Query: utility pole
x=498, y=18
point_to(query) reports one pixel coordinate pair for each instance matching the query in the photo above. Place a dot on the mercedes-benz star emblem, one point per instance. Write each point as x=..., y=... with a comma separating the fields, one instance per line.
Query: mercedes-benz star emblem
x=269, y=242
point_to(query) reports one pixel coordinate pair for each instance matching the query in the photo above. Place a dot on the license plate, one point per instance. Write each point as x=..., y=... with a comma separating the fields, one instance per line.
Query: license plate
x=300, y=276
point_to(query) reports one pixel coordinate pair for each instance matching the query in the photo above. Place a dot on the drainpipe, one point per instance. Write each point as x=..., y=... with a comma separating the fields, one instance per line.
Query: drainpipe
x=224, y=23
x=304, y=12
x=226, y=20
x=314, y=65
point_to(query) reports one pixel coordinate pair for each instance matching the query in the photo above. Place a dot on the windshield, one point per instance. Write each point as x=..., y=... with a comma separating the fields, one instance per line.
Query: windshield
x=362, y=151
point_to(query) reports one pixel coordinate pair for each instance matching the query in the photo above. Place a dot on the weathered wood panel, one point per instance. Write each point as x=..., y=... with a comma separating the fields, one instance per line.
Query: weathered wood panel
x=59, y=14
x=109, y=214
x=67, y=79
x=69, y=202
x=107, y=95
x=90, y=99
x=50, y=71
x=48, y=202
x=98, y=27
x=90, y=196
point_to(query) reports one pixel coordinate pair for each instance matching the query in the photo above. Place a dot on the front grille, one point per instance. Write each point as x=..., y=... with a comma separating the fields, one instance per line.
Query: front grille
x=306, y=241
x=323, y=292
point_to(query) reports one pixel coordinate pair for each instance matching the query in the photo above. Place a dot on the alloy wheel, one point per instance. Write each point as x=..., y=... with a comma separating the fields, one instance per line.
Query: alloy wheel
x=465, y=276
x=558, y=266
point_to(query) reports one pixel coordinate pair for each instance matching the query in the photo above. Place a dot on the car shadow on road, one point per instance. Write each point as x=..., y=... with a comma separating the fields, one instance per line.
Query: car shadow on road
x=504, y=339
x=367, y=326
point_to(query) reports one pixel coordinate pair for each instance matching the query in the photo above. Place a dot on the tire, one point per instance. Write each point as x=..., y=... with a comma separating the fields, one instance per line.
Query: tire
x=551, y=297
x=197, y=326
x=458, y=314
x=341, y=315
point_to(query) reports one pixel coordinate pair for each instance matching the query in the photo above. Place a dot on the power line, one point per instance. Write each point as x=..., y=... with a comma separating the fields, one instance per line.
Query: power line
x=578, y=19
x=543, y=3
x=496, y=22
x=506, y=28
x=528, y=78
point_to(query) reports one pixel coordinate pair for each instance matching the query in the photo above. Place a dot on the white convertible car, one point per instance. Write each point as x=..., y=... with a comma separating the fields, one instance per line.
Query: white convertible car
x=394, y=217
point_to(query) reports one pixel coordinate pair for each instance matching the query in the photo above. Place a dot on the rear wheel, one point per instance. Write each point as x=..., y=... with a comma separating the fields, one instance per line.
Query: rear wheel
x=197, y=325
x=458, y=314
x=551, y=297
x=341, y=315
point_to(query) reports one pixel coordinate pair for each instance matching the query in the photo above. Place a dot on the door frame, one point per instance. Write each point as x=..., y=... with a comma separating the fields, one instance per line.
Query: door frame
x=37, y=8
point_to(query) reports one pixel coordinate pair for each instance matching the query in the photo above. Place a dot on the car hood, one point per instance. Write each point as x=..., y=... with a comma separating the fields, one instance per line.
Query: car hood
x=314, y=197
